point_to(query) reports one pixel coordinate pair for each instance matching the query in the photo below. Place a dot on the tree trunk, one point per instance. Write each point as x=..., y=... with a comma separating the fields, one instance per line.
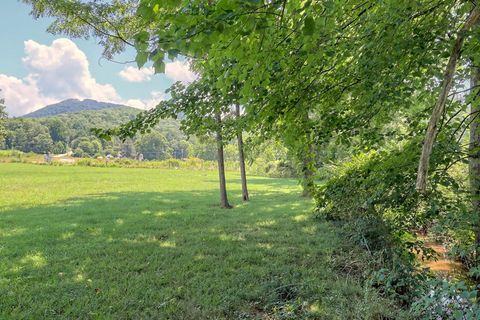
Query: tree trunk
x=241, y=158
x=221, y=165
x=474, y=156
x=439, y=107
x=307, y=160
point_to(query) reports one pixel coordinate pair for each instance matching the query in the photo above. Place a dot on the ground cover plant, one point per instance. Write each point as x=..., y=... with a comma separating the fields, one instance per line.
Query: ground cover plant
x=118, y=243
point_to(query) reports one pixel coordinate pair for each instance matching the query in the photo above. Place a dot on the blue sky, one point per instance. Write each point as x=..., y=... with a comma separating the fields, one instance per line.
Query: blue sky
x=37, y=68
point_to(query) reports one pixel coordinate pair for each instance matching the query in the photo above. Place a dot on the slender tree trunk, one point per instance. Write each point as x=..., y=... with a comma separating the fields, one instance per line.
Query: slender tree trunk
x=307, y=161
x=439, y=107
x=474, y=156
x=221, y=165
x=241, y=158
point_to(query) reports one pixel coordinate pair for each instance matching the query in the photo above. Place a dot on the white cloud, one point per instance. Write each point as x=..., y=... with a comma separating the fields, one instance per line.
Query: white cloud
x=155, y=98
x=22, y=96
x=58, y=72
x=179, y=71
x=176, y=71
x=61, y=71
x=133, y=74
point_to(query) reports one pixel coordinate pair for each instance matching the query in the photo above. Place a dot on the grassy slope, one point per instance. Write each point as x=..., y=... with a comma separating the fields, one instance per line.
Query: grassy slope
x=81, y=242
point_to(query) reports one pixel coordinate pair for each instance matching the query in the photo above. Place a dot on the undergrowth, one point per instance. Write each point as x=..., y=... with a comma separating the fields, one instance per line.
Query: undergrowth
x=372, y=199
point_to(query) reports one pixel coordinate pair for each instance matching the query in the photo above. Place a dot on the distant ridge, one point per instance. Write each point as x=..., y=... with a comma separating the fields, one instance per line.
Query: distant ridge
x=71, y=105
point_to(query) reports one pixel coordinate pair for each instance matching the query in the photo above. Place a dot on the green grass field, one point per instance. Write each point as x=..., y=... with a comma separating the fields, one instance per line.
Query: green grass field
x=116, y=243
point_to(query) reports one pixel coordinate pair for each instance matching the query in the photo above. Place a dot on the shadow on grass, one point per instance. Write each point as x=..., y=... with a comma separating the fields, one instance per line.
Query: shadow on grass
x=151, y=254
x=273, y=183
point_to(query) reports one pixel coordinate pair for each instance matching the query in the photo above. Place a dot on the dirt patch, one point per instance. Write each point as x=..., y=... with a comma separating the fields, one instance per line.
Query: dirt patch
x=443, y=266
x=66, y=160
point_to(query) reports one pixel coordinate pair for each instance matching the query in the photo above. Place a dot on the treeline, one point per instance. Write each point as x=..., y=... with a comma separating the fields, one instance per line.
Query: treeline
x=65, y=132
x=72, y=132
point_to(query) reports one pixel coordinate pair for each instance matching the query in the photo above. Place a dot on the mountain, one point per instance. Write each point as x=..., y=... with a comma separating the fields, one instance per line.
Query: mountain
x=86, y=119
x=71, y=105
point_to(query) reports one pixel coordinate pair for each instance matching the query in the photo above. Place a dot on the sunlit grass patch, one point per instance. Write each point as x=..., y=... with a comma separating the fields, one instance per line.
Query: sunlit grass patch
x=113, y=243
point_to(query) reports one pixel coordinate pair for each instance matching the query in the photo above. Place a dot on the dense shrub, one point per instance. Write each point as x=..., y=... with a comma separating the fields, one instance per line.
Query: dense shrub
x=18, y=156
x=59, y=148
x=194, y=163
x=173, y=163
x=373, y=198
x=376, y=183
x=79, y=153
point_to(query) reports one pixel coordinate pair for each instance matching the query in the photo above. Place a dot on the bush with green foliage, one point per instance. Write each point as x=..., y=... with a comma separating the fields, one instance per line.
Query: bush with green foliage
x=381, y=183
x=154, y=146
x=86, y=146
x=373, y=197
x=59, y=148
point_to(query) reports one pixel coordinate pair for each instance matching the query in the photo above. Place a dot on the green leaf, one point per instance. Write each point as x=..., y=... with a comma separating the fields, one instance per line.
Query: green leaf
x=144, y=11
x=457, y=314
x=141, y=41
x=159, y=66
x=141, y=58
x=309, y=26
x=142, y=36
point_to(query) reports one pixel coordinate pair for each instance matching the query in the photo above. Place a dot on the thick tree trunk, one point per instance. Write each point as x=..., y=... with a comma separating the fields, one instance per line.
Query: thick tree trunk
x=439, y=107
x=241, y=158
x=221, y=165
x=474, y=156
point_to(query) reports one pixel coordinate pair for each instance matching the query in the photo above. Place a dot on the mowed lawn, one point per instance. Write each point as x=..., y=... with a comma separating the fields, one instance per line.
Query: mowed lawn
x=116, y=243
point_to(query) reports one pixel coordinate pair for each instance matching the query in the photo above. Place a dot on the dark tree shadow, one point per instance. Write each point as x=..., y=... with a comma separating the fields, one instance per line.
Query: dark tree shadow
x=272, y=182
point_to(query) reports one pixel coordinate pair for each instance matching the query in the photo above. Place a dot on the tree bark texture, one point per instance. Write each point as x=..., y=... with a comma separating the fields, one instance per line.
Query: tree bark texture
x=241, y=158
x=307, y=160
x=221, y=165
x=474, y=155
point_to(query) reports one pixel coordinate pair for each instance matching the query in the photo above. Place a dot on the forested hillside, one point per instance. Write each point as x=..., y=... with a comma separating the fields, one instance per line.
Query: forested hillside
x=72, y=131
x=71, y=105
